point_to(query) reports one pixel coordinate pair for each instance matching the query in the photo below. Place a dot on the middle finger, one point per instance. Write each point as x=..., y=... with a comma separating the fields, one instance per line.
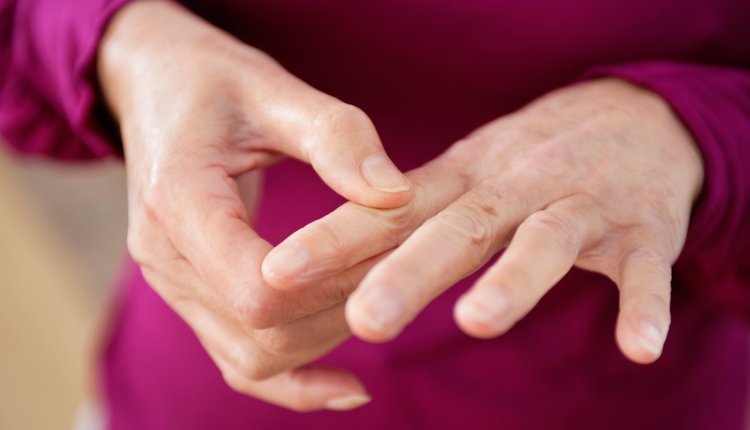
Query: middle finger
x=445, y=249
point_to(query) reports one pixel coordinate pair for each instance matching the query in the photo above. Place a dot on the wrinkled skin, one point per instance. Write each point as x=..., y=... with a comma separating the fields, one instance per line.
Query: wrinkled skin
x=599, y=175
x=200, y=114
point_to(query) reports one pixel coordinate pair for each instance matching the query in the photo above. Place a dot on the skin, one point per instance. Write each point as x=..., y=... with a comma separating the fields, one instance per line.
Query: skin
x=600, y=175
x=200, y=114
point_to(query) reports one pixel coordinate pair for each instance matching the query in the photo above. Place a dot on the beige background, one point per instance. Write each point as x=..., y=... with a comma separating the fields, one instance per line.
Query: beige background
x=62, y=230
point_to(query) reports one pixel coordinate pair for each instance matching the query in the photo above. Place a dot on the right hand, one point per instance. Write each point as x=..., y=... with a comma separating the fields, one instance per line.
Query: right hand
x=200, y=113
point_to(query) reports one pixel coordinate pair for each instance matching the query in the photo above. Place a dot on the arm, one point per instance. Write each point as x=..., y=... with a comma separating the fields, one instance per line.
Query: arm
x=48, y=94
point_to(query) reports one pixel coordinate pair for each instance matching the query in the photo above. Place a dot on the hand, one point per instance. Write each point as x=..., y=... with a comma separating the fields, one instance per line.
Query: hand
x=200, y=114
x=600, y=175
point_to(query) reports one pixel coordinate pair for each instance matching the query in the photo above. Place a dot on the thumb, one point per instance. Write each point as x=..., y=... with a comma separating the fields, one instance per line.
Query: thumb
x=341, y=144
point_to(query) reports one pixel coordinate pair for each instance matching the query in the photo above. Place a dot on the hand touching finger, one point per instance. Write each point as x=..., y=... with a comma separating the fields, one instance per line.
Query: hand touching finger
x=446, y=248
x=353, y=233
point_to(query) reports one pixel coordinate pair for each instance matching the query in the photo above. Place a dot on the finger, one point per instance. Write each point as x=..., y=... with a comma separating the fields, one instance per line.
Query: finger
x=544, y=248
x=302, y=389
x=209, y=225
x=645, y=288
x=211, y=230
x=342, y=145
x=445, y=249
x=305, y=389
x=281, y=307
x=353, y=233
x=259, y=355
x=297, y=343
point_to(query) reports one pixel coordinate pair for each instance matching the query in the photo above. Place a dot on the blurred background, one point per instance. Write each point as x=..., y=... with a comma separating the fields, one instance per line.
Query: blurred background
x=62, y=238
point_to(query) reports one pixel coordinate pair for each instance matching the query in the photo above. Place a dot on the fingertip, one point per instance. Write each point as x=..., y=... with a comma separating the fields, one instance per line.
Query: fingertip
x=283, y=266
x=374, y=182
x=384, y=186
x=375, y=316
x=643, y=342
x=483, y=312
x=381, y=173
x=348, y=402
x=331, y=389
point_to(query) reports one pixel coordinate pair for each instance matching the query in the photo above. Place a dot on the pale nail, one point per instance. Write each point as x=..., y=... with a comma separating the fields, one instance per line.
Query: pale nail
x=348, y=402
x=651, y=338
x=487, y=307
x=381, y=310
x=286, y=263
x=380, y=173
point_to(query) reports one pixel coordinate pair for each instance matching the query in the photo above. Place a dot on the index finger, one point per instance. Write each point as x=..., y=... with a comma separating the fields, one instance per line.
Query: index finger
x=353, y=233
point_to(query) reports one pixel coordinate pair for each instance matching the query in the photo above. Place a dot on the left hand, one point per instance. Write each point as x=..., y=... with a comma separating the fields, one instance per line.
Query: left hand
x=600, y=175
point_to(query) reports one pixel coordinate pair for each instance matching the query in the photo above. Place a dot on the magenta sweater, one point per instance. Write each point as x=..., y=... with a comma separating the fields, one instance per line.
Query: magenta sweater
x=429, y=72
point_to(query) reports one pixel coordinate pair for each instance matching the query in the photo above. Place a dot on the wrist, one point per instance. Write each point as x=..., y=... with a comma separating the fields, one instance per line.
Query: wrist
x=139, y=36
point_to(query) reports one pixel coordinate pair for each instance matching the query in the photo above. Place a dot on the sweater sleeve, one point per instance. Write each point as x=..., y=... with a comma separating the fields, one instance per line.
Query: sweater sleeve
x=714, y=104
x=49, y=102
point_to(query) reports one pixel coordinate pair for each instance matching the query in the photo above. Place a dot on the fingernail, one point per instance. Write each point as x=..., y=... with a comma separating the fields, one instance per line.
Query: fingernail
x=487, y=307
x=651, y=337
x=382, y=174
x=382, y=310
x=348, y=402
x=286, y=263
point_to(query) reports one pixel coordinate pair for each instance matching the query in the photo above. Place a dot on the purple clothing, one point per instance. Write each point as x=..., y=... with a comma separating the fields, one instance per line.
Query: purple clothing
x=428, y=73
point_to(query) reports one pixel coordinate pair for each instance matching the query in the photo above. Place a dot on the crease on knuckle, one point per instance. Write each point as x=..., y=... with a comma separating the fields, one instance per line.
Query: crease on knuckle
x=246, y=361
x=337, y=119
x=649, y=258
x=470, y=222
x=322, y=228
x=258, y=310
x=559, y=229
x=275, y=341
x=399, y=222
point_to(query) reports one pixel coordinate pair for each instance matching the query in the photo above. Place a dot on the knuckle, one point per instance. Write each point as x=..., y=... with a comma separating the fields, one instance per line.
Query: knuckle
x=236, y=382
x=257, y=310
x=323, y=231
x=558, y=228
x=650, y=259
x=341, y=116
x=340, y=119
x=299, y=402
x=400, y=221
x=248, y=364
x=275, y=341
x=554, y=160
x=469, y=222
x=138, y=247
